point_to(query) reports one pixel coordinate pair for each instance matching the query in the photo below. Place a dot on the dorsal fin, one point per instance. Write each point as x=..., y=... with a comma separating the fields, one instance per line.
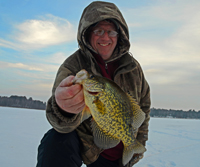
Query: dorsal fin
x=137, y=115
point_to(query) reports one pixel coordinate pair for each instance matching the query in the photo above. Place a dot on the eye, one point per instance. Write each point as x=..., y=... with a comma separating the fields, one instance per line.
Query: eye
x=98, y=32
x=91, y=76
x=112, y=33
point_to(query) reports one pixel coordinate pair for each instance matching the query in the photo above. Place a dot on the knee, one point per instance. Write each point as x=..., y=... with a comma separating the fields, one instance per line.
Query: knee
x=55, y=139
x=70, y=140
x=58, y=148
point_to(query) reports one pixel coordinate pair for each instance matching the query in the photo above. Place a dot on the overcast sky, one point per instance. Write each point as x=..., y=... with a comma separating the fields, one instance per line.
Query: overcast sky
x=36, y=36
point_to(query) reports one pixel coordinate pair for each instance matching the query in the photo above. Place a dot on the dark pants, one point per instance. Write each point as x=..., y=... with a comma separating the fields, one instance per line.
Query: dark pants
x=63, y=150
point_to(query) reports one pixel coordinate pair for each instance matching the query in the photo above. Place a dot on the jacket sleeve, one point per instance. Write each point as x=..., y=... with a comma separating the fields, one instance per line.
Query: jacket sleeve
x=145, y=103
x=61, y=121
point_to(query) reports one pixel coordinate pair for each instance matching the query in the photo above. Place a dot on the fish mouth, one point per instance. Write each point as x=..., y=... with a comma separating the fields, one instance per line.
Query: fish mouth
x=93, y=93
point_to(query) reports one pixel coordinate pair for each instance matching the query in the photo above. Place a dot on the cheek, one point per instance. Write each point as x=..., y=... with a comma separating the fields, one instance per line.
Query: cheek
x=114, y=42
x=93, y=41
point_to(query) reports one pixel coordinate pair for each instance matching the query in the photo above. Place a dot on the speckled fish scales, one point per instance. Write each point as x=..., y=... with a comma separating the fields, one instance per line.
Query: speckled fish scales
x=115, y=115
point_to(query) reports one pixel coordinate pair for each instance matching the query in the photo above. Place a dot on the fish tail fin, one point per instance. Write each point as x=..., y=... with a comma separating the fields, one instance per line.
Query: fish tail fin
x=129, y=151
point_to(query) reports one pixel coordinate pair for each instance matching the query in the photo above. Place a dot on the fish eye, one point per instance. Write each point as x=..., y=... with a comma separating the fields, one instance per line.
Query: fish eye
x=91, y=76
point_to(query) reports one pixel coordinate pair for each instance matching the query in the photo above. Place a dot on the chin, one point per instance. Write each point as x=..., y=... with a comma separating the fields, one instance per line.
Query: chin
x=105, y=57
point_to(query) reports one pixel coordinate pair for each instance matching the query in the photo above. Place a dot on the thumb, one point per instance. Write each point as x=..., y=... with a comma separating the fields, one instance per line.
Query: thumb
x=67, y=81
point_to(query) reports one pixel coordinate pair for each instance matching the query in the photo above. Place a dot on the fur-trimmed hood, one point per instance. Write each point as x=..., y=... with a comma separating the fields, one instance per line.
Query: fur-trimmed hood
x=98, y=11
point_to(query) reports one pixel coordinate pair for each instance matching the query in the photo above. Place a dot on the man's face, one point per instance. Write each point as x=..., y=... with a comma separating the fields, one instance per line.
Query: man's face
x=104, y=45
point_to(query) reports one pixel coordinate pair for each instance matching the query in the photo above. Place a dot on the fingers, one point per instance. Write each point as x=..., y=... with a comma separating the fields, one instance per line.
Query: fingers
x=67, y=81
x=67, y=92
x=66, y=89
x=75, y=109
x=73, y=100
x=70, y=97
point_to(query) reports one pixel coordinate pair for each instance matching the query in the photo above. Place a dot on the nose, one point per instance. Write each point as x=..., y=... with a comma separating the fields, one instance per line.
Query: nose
x=105, y=35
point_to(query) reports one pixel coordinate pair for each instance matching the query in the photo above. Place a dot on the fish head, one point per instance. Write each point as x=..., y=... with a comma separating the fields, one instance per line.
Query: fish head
x=92, y=84
x=80, y=77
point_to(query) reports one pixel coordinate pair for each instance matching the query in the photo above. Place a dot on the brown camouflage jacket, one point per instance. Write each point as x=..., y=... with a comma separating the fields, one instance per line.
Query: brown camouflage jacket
x=129, y=76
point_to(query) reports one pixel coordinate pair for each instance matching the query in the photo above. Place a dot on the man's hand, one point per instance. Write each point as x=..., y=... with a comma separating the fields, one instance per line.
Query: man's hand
x=136, y=158
x=70, y=97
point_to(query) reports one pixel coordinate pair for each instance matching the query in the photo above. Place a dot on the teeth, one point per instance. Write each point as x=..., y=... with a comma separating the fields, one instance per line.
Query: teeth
x=104, y=44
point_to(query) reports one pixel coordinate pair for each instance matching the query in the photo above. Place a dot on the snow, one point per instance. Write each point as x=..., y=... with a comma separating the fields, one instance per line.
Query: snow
x=172, y=142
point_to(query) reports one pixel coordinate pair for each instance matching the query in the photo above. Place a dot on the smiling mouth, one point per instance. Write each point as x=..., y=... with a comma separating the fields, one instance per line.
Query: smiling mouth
x=104, y=44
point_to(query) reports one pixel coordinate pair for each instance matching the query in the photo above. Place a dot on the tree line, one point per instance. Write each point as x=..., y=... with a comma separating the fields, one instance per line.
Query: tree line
x=192, y=114
x=22, y=102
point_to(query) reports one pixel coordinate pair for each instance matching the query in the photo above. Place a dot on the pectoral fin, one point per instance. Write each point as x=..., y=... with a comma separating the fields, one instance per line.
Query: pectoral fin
x=85, y=114
x=103, y=139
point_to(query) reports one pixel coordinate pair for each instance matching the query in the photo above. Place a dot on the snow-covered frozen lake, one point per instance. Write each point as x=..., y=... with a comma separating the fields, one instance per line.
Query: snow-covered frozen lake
x=172, y=142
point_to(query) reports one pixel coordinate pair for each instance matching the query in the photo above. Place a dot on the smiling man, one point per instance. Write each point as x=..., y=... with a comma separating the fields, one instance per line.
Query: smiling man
x=103, y=39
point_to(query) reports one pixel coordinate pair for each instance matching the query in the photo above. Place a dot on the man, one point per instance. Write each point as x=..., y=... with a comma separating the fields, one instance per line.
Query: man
x=104, y=44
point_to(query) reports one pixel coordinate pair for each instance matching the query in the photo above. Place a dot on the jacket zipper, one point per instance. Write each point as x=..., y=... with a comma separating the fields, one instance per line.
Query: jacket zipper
x=106, y=67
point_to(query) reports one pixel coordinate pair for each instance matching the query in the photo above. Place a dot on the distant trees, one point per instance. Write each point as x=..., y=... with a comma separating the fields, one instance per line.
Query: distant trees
x=21, y=102
x=175, y=113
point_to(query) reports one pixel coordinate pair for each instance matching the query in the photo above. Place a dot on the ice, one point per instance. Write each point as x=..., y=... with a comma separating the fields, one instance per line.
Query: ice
x=172, y=142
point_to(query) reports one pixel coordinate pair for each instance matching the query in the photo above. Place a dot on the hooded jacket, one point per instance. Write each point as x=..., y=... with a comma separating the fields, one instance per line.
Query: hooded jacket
x=129, y=76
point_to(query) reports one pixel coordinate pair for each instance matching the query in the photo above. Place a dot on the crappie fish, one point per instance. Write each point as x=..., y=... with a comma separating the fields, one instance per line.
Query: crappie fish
x=116, y=116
